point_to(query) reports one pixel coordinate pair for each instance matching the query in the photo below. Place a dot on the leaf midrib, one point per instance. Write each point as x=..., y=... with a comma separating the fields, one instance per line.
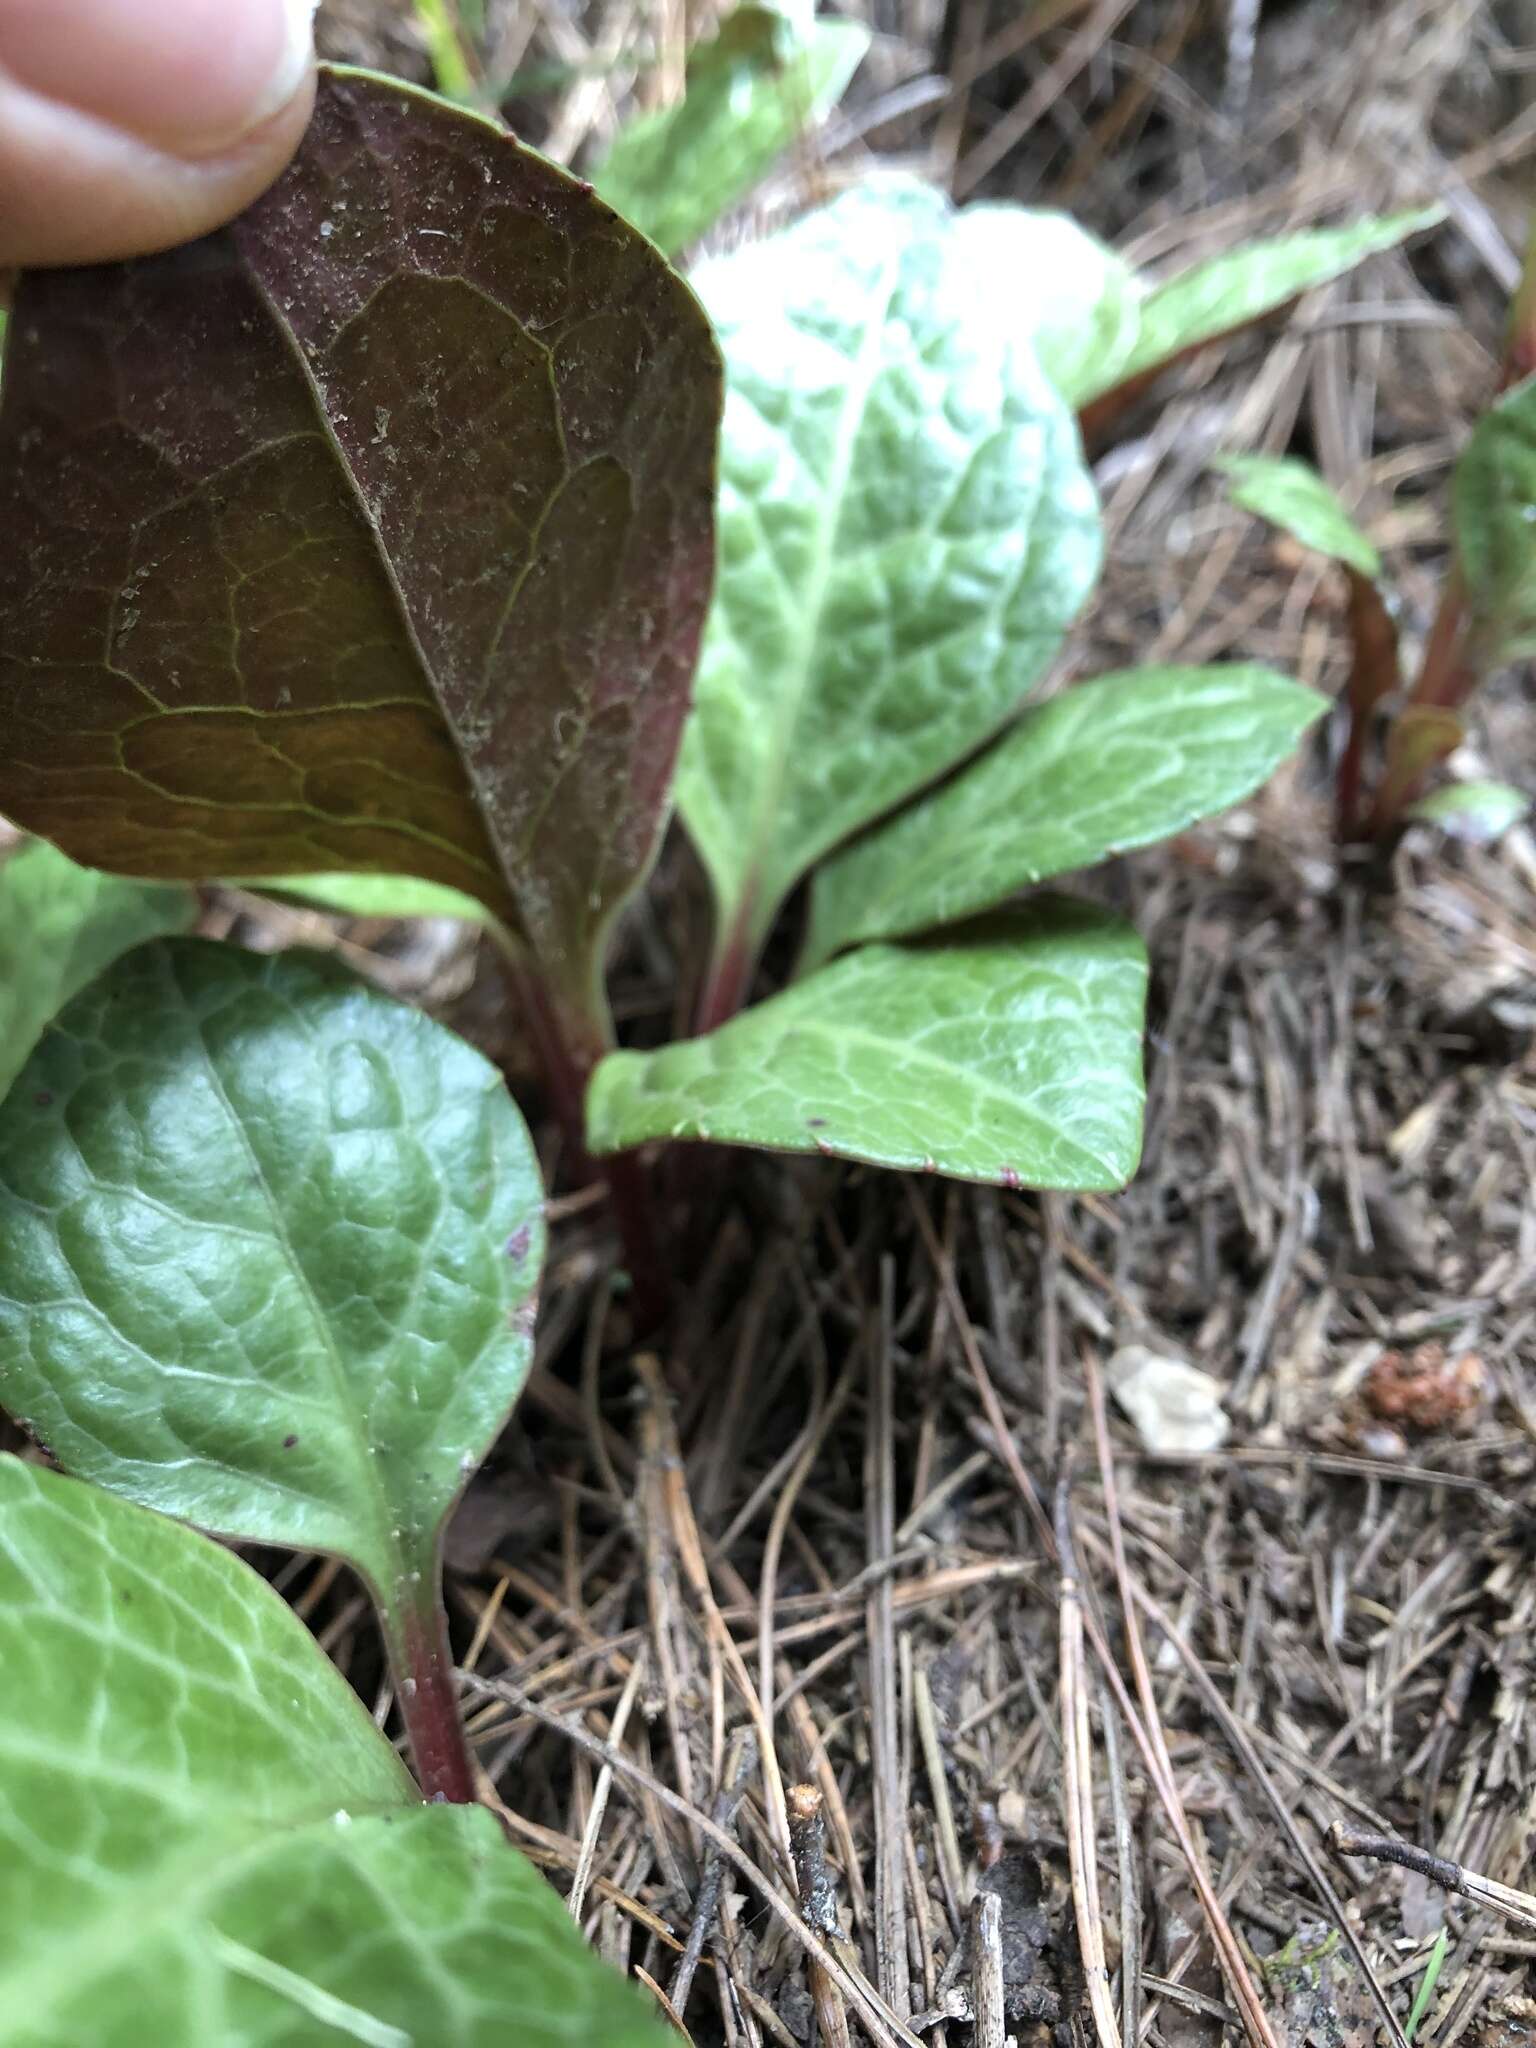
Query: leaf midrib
x=830, y=508
x=290, y=342
x=389, y=1550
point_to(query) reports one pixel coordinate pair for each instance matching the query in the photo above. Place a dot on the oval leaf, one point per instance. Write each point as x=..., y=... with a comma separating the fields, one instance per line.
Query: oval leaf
x=1107, y=766
x=907, y=528
x=1292, y=496
x=1009, y=1052
x=371, y=533
x=751, y=91
x=60, y=925
x=268, y=1251
x=1213, y=299
x=206, y=1839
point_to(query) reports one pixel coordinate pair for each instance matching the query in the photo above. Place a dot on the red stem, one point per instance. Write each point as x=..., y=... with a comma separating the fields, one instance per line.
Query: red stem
x=1374, y=674
x=730, y=974
x=422, y=1666
x=569, y=1047
x=1444, y=676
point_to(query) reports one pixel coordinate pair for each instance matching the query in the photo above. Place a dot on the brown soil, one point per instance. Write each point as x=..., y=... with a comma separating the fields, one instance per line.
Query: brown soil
x=799, y=1527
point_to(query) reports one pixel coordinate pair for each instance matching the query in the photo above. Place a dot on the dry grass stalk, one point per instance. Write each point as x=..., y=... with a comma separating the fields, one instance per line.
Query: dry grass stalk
x=938, y=1782
x=669, y=2010
x=1248, y=1756
x=1154, y=1744
x=1077, y=1789
x=690, y=1553
x=576, y=1898
x=882, y=2025
x=884, y=1719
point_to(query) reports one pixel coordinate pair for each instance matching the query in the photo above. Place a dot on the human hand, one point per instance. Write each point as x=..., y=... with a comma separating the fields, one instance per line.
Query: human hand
x=129, y=125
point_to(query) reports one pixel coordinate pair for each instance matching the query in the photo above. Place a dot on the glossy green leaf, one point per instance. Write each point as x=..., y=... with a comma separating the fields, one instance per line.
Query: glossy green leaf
x=1216, y=298
x=60, y=925
x=268, y=1249
x=1493, y=506
x=1292, y=496
x=750, y=92
x=205, y=1841
x=1473, y=810
x=906, y=530
x=1075, y=299
x=372, y=533
x=1007, y=1051
x=1109, y=765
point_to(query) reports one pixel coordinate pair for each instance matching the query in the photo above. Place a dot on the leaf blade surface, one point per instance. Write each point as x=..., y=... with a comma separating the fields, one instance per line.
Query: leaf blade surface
x=371, y=533
x=1292, y=496
x=906, y=529
x=1216, y=298
x=59, y=926
x=206, y=1839
x=269, y=1252
x=1008, y=1051
x=1108, y=765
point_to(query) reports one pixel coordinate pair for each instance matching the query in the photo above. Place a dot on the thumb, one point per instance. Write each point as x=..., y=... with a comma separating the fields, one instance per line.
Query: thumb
x=128, y=125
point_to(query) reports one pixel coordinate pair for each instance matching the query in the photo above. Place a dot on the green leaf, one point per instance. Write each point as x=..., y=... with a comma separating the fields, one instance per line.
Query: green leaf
x=1473, y=810
x=750, y=92
x=268, y=1249
x=1216, y=298
x=60, y=925
x=1109, y=765
x=372, y=533
x=440, y=32
x=906, y=529
x=375, y=896
x=1426, y=1989
x=1075, y=299
x=204, y=1840
x=1292, y=496
x=1009, y=1051
x=1493, y=505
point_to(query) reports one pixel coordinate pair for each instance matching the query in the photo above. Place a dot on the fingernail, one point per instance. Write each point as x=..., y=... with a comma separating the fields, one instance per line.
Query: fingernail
x=298, y=54
x=193, y=78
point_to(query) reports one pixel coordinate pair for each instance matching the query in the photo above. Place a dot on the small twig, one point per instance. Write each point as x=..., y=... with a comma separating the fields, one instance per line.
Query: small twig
x=707, y=1899
x=1451, y=1877
x=818, y=1905
x=987, y=1970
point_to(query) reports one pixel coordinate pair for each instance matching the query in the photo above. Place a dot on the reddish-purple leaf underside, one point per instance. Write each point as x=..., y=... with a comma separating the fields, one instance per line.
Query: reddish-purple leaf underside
x=373, y=533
